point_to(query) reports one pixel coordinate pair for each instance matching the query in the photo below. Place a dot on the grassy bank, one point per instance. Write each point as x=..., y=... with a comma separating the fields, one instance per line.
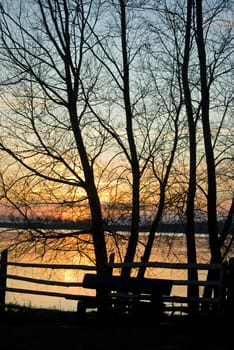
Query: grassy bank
x=49, y=330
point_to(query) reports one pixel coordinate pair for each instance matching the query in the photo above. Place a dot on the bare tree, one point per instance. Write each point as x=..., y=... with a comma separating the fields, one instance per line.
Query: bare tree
x=103, y=107
x=200, y=80
x=43, y=49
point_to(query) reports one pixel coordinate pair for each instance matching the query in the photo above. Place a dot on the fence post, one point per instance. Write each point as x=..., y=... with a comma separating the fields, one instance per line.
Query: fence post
x=230, y=301
x=3, y=279
x=222, y=291
x=111, y=261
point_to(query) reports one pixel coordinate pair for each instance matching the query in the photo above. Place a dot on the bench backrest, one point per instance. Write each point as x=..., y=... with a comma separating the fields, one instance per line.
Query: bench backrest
x=128, y=284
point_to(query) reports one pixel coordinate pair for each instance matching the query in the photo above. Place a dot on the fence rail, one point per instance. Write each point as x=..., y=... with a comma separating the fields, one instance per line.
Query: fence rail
x=221, y=284
x=50, y=266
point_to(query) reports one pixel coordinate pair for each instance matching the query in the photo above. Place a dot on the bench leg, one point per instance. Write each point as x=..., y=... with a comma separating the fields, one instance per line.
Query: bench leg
x=81, y=310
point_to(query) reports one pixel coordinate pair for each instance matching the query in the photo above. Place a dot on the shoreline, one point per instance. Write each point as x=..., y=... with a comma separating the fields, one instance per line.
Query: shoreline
x=201, y=227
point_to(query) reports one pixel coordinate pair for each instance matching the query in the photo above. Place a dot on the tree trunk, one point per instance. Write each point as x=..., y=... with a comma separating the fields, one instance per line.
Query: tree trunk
x=190, y=226
x=210, y=162
x=159, y=214
x=134, y=232
x=93, y=198
x=211, y=173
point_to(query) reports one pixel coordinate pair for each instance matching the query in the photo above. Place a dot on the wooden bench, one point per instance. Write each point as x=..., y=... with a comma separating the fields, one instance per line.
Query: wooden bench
x=131, y=296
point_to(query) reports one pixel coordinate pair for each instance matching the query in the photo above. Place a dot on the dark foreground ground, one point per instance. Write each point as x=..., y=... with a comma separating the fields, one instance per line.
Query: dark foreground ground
x=54, y=330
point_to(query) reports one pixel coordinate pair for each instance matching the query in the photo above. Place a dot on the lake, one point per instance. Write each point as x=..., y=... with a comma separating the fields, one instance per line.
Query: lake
x=167, y=248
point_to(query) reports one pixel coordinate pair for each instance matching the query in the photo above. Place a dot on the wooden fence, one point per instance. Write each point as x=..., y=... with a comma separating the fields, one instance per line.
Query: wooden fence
x=222, y=286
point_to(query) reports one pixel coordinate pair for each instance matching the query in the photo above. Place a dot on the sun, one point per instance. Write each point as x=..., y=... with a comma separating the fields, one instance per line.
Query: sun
x=68, y=276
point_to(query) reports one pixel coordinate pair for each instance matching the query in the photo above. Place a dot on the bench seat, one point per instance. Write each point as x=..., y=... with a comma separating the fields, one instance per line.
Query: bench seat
x=128, y=295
